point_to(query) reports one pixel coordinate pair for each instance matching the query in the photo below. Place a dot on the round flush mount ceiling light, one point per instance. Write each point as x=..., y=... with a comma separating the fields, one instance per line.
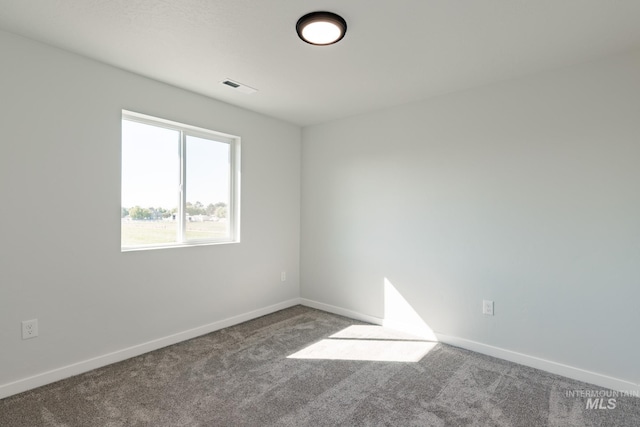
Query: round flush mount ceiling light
x=321, y=28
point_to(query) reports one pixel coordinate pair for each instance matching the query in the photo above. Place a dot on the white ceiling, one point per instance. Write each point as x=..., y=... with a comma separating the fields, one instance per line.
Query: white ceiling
x=394, y=51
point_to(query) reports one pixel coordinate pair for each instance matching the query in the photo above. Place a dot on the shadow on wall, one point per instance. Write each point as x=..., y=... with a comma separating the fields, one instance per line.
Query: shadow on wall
x=403, y=337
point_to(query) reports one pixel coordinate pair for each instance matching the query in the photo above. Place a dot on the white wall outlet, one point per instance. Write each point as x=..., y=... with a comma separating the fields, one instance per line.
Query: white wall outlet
x=29, y=329
x=487, y=307
x=283, y=276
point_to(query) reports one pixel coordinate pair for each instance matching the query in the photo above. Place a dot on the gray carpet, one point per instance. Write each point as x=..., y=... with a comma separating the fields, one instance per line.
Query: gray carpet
x=243, y=376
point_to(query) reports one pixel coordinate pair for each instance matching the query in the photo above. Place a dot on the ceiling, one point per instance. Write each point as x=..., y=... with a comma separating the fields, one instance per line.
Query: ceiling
x=394, y=51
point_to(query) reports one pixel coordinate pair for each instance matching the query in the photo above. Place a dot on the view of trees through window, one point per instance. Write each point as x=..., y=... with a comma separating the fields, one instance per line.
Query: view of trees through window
x=159, y=162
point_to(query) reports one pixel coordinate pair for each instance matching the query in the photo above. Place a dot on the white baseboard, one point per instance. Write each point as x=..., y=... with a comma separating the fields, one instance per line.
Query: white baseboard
x=542, y=364
x=51, y=376
x=48, y=377
x=341, y=311
x=512, y=356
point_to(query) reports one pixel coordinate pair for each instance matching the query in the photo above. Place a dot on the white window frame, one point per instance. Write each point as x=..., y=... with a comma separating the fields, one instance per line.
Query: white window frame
x=233, y=210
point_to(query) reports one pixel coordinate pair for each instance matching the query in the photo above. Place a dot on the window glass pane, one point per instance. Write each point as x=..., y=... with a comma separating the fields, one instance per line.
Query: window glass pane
x=150, y=179
x=208, y=189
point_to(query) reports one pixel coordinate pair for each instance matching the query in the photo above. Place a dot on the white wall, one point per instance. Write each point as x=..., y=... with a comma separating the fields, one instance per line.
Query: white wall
x=60, y=258
x=525, y=192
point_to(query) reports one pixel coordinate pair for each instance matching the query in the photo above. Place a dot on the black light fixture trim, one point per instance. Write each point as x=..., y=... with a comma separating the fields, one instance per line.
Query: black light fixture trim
x=321, y=16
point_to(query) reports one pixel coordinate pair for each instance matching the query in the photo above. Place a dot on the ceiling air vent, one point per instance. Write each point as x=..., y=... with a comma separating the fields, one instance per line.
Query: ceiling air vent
x=239, y=86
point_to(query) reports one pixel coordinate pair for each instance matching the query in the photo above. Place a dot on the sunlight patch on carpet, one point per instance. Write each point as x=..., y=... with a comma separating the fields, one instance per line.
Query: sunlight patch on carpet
x=369, y=350
x=374, y=332
x=368, y=343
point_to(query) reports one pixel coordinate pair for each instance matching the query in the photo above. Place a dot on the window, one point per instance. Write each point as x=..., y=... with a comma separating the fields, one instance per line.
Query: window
x=180, y=184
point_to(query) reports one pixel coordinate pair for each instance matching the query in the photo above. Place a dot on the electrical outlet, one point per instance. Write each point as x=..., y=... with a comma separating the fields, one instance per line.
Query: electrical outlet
x=29, y=329
x=283, y=276
x=487, y=307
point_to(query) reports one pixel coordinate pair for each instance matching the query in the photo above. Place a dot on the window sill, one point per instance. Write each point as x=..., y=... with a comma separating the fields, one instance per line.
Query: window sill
x=175, y=245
